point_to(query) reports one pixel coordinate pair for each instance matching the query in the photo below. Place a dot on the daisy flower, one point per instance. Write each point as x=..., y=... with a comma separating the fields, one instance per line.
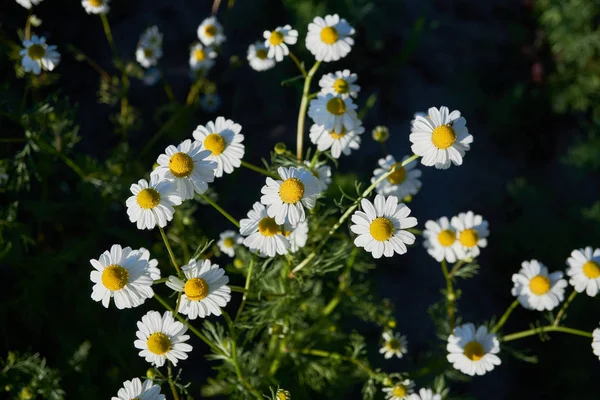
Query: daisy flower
x=471, y=351
x=596, y=342
x=381, y=227
x=278, y=329
x=584, y=270
x=322, y=173
x=148, y=56
x=125, y=275
x=425, y=394
x=343, y=142
x=188, y=166
x=264, y=234
x=276, y=41
x=152, y=203
x=29, y=3
x=210, y=32
x=95, y=6
x=329, y=39
x=441, y=138
x=134, y=389
x=151, y=37
x=283, y=395
x=340, y=83
x=210, y=102
x=440, y=240
x=258, y=57
x=403, y=182
x=400, y=391
x=201, y=58
x=297, y=236
x=472, y=232
x=205, y=289
x=333, y=112
x=536, y=289
x=160, y=338
x=228, y=241
x=285, y=199
x=394, y=345
x=223, y=140
x=37, y=55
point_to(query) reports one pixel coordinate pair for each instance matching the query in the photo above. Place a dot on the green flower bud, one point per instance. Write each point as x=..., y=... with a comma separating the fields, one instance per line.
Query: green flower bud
x=280, y=148
x=151, y=373
x=238, y=263
x=381, y=134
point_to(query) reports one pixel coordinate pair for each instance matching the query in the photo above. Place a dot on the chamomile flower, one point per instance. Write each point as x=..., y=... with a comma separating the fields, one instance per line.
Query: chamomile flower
x=403, y=182
x=161, y=338
x=473, y=351
x=441, y=139
x=258, y=57
x=136, y=390
x=29, y=3
x=399, y=391
x=151, y=37
x=596, y=342
x=263, y=233
x=205, y=289
x=223, y=140
x=584, y=270
x=340, y=83
x=425, y=394
x=342, y=142
x=536, y=289
x=148, y=56
x=152, y=203
x=440, y=240
x=125, y=275
x=210, y=102
x=277, y=41
x=297, y=236
x=322, y=173
x=37, y=55
x=394, y=345
x=210, y=32
x=381, y=226
x=472, y=232
x=202, y=58
x=333, y=112
x=278, y=329
x=328, y=38
x=283, y=395
x=95, y=6
x=228, y=241
x=286, y=199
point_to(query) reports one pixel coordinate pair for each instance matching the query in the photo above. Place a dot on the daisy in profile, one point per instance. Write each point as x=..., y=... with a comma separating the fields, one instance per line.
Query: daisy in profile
x=210, y=32
x=152, y=203
x=342, y=142
x=205, y=289
x=148, y=56
x=37, y=55
x=228, y=241
x=210, y=102
x=125, y=275
x=340, y=83
x=536, y=289
x=473, y=351
x=425, y=394
x=297, y=236
x=135, y=389
x=95, y=6
x=201, y=58
x=152, y=264
x=440, y=240
x=333, y=112
x=277, y=41
x=441, y=138
x=584, y=270
x=29, y=3
x=329, y=39
x=472, y=232
x=161, y=338
x=258, y=57
x=399, y=391
x=403, y=182
x=188, y=166
x=322, y=173
x=286, y=199
x=263, y=233
x=381, y=226
x=394, y=345
x=223, y=140
x=596, y=342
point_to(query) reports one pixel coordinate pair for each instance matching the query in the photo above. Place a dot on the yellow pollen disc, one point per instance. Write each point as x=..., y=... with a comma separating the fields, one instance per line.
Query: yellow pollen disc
x=443, y=136
x=115, y=277
x=539, y=285
x=281, y=396
x=338, y=136
x=36, y=51
x=399, y=391
x=228, y=242
x=276, y=38
x=469, y=237
x=291, y=190
x=398, y=176
x=215, y=143
x=159, y=343
x=199, y=54
x=329, y=35
x=181, y=165
x=96, y=3
x=341, y=86
x=336, y=106
x=261, y=54
x=474, y=351
x=446, y=237
x=268, y=227
x=591, y=269
x=210, y=30
x=393, y=344
x=148, y=198
x=381, y=229
x=148, y=53
x=196, y=289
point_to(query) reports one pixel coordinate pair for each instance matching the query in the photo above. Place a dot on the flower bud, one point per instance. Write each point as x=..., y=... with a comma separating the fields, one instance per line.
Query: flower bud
x=151, y=373
x=280, y=148
x=381, y=134
x=238, y=263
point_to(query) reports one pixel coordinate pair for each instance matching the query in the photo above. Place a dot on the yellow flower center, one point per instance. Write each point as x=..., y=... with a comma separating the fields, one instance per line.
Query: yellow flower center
x=268, y=227
x=291, y=190
x=181, y=165
x=196, y=289
x=341, y=86
x=338, y=136
x=199, y=55
x=446, y=237
x=336, y=106
x=148, y=198
x=115, y=277
x=159, y=343
x=36, y=51
x=474, y=351
x=210, y=30
x=539, y=285
x=591, y=269
x=281, y=396
x=329, y=35
x=228, y=242
x=398, y=176
x=381, y=229
x=399, y=391
x=238, y=263
x=96, y=3
x=276, y=38
x=393, y=344
x=148, y=53
x=215, y=143
x=443, y=136
x=262, y=54
x=468, y=237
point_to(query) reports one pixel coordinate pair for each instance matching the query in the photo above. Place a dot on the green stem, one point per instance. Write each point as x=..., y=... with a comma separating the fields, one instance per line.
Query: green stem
x=344, y=278
x=219, y=209
x=169, y=249
x=109, y=37
x=161, y=280
x=450, y=295
x=327, y=354
x=302, y=111
x=169, y=92
x=246, y=288
x=171, y=383
x=505, y=316
x=314, y=159
x=549, y=328
x=564, y=308
x=260, y=170
x=455, y=268
x=298, y=64
x=28, y=25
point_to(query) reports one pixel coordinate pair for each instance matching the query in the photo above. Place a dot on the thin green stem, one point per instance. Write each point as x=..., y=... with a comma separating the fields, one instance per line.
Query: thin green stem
x=161, y=280
x=302, y=111
x=505, y=316
x=260, y=170
x=327, y=354
x=219, y=209
x=169, y=249
x=564, y=308
x=246, y=288
x=109, y=37
x=342, y=286
x=456, y=267
x=298, y=64
x=171, y=383
x=314, y=159
x=28, y=25
x=81, y=56
x=169, y=92
x=450, y=295
x=549, y=328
